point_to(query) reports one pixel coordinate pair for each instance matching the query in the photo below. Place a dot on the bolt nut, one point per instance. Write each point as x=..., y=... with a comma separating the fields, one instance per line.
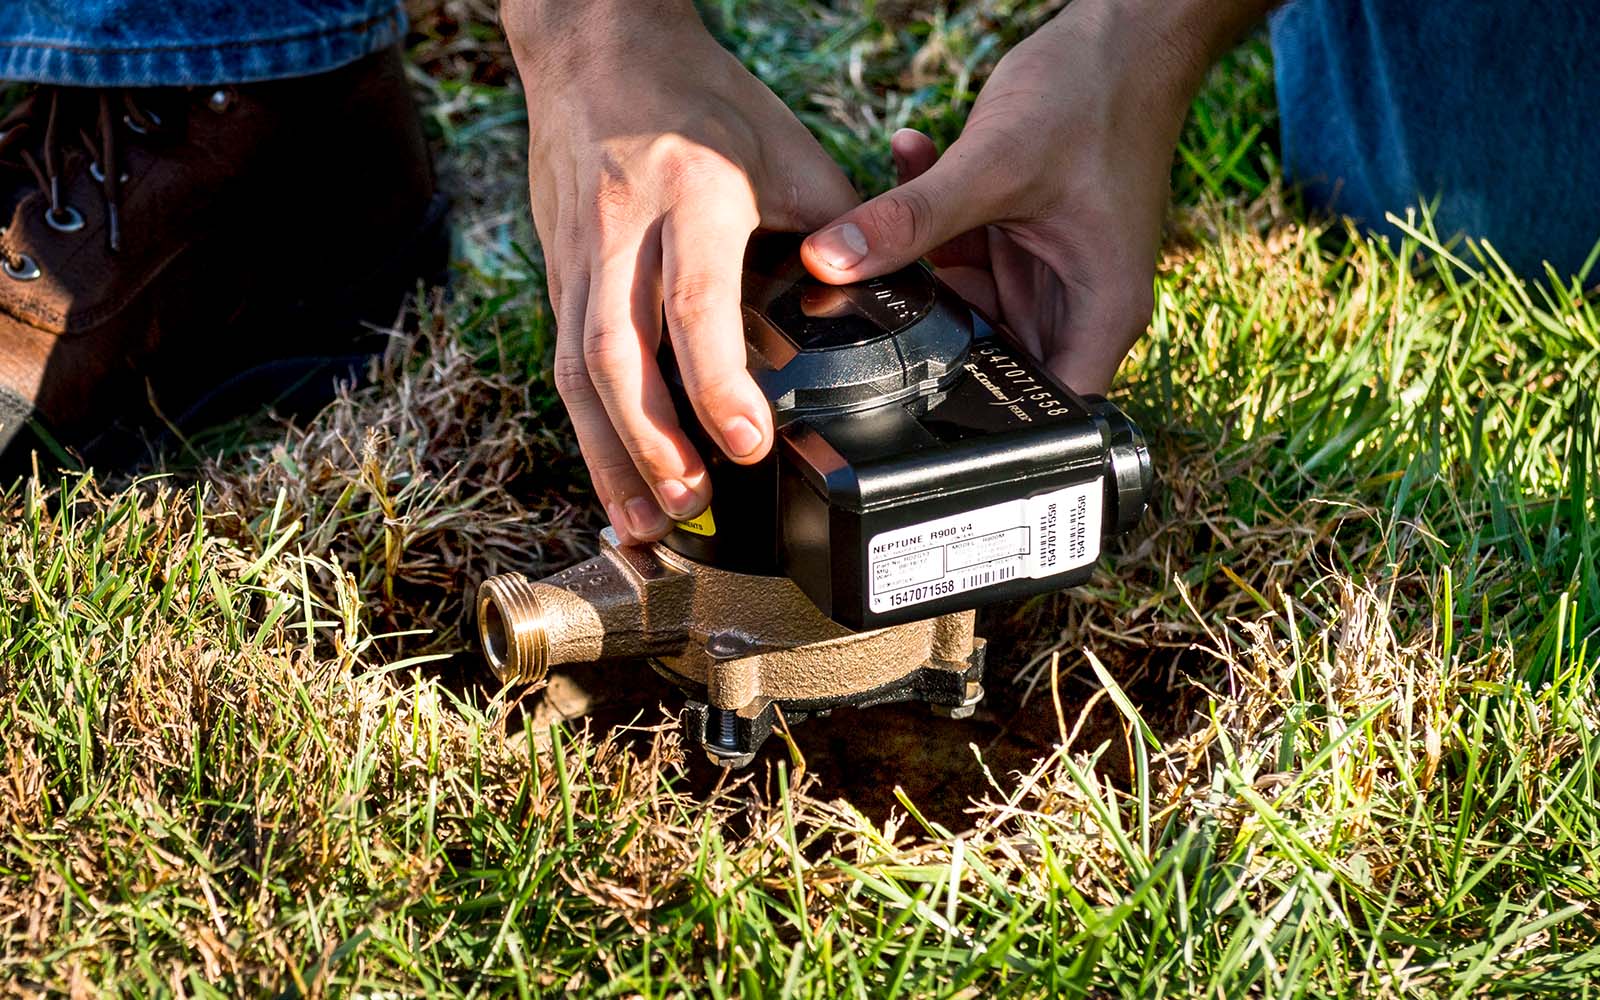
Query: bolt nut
x=970, y=696
x=731, y=761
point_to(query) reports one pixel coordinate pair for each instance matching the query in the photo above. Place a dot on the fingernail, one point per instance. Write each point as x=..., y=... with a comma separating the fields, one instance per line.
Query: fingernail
x=644, y=517
x=679, y=500
x=842, y=247
x=740, y=437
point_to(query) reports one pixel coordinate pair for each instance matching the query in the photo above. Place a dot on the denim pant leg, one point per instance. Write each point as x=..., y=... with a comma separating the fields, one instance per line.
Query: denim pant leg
x=1485, y=107
x=164, y=43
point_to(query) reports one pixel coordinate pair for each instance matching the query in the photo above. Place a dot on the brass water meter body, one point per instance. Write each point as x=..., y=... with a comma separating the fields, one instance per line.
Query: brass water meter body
x=924, y=466
x=745, y=647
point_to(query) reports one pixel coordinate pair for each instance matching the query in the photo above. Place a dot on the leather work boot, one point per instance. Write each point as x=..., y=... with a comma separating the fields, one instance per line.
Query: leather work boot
x=171, y=257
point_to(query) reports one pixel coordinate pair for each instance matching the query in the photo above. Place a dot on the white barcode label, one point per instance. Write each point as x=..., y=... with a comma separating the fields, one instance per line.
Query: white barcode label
x=1034, y=537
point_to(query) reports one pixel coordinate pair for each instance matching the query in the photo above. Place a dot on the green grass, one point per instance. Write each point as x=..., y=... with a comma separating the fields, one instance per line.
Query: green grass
x=1349, y=665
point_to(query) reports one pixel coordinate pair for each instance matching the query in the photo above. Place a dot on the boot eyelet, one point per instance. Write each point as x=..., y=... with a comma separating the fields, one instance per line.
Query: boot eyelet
x=100, y=175
x=25, y=268
x=68, y=220
x=221, y=100
x=136, y=128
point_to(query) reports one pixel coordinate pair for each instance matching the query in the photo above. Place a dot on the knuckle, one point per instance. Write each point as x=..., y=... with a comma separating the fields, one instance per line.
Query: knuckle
x=601, y=348
x=570, y=238
x=614, y=206
x=608, y=354
x=688, y=171
x=683, y=164
x=612, y=198
x=650, y=453
x=571, y=377
x=615, y=470
x=694, y=297
x=782, y=200
x=714, y=390
x=905, y=216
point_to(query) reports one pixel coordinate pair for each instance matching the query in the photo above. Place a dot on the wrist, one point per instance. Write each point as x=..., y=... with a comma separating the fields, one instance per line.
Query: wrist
x=1199, y=32
x=558, y=36
x=1161, y=49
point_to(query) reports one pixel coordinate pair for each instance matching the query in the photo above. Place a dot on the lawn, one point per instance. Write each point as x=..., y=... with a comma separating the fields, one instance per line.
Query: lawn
x=1326, y=726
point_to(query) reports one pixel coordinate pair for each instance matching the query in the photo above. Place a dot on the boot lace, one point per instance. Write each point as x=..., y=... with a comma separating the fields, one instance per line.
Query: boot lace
x=35, y=138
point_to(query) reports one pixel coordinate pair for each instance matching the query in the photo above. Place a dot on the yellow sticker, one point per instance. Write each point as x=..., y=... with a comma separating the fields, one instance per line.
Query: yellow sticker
x=702, y=524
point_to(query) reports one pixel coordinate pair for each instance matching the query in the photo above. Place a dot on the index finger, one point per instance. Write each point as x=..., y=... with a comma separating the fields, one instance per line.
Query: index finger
x=702, y=264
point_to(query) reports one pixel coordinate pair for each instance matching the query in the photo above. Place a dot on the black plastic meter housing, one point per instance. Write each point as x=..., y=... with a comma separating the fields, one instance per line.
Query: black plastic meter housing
x=924, y=463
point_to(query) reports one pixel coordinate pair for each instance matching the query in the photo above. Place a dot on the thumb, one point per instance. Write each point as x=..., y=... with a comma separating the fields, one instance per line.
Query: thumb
x=905, y=222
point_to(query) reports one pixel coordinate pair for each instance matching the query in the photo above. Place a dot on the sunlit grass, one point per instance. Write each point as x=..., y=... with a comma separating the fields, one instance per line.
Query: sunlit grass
x=236, y=762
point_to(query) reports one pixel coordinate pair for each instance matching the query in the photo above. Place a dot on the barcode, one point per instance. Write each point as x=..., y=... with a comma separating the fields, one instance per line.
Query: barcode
x=999, y=574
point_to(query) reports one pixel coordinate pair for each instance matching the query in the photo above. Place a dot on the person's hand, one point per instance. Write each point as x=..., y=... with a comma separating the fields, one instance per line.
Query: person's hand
x=1047, y=211
x=653, y=156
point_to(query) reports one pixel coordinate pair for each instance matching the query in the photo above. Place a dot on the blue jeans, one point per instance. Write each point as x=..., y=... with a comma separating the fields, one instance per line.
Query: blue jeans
x=1481, y=107
x=163, y=43
x=1485, y=109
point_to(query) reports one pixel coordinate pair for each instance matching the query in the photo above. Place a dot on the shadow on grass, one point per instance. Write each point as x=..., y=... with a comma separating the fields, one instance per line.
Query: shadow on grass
x=867, y=757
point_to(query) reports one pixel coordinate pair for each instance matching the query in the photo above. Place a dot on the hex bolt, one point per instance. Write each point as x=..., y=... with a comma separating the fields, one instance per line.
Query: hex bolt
x=969, y=703
x=725, y=724
x=722, y=738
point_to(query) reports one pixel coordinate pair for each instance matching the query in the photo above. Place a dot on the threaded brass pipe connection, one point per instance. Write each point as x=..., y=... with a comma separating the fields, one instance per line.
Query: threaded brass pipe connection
x=514, y=628
x=585, y=613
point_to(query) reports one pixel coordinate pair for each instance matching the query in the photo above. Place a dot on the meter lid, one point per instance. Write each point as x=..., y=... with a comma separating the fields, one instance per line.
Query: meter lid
x=815, y=316
x=816, y=348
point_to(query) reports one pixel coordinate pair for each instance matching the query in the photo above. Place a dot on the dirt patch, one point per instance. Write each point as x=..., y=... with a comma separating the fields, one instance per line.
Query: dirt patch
x=868, y=757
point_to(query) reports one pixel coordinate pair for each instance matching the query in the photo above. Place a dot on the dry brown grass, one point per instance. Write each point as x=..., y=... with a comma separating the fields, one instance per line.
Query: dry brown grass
x=417, y=486
x=1303, y=735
